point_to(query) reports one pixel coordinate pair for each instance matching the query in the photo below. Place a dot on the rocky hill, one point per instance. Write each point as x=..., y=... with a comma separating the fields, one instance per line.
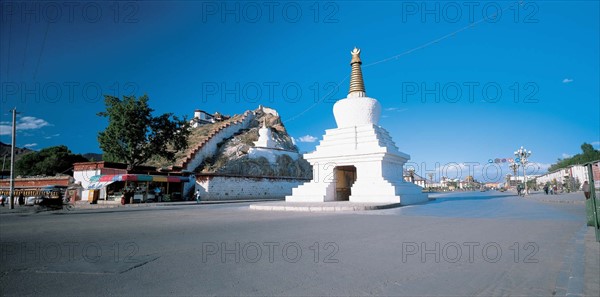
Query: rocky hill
x=232, y=157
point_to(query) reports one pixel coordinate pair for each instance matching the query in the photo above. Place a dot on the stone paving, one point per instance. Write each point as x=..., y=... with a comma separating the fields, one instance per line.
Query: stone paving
x=211, y=249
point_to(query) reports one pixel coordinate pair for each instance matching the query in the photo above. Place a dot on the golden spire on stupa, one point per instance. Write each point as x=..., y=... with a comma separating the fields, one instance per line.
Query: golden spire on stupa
x=357, y=86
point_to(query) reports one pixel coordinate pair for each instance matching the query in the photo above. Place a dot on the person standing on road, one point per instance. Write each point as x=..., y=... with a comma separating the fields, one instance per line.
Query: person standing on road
x=586, y=190
x=158, y=195
x=197, y=196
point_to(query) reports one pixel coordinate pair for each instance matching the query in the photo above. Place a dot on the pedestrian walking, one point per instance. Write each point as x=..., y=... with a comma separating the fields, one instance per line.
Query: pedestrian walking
x=586, y=190
x=197, y=196
x=546, y=189
x=519, y=189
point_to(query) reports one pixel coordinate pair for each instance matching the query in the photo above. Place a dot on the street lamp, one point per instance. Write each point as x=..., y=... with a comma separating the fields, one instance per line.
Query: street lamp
x=514, y=167
x=522, y=155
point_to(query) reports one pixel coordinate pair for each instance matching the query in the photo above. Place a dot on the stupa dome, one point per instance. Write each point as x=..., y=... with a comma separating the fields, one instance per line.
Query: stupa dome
x=357, y=109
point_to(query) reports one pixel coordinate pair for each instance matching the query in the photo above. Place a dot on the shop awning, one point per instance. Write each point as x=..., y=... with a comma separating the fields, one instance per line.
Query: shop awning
x=99, y=185
x=139, y=178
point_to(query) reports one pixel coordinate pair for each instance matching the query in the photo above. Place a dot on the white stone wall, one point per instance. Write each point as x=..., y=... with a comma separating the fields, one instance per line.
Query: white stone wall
x=84, y=176
x=233, y=188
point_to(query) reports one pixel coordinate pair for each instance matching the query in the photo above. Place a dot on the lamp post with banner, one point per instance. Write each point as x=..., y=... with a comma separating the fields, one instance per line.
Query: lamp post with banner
x=522, y=155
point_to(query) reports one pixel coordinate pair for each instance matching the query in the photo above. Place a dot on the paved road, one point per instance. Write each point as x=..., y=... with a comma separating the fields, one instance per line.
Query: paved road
x=461, y=245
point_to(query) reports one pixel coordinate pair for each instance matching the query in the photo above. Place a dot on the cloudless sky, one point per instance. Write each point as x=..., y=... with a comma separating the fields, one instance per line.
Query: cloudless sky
x=510, y=75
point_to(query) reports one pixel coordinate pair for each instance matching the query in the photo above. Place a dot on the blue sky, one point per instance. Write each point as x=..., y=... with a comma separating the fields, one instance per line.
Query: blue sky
x=457, y=85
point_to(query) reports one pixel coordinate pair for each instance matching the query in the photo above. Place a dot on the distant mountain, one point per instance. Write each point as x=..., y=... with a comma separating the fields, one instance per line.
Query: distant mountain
x=5, y=151
x=93, y=157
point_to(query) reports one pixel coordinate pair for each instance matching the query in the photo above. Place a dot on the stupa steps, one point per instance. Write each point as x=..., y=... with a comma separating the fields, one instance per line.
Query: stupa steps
x=403, y=199
x=314, y=189
x=386, y=190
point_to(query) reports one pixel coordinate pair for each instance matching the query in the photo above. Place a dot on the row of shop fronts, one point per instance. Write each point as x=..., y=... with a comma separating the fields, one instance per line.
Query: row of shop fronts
x=107, y=181
x=135, y=187
x=103, y=181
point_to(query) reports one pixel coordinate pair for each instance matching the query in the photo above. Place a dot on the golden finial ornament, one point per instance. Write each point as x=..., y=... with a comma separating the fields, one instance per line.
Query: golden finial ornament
x=357, y=86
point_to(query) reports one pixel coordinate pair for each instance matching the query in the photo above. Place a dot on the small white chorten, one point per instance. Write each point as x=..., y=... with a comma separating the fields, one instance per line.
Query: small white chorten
x=357, y=161
x=265, y=137
x=266, y=147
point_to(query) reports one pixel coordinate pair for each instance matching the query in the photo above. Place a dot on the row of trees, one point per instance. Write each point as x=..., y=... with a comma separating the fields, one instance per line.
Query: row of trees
x=588, y=154
x=48, y=161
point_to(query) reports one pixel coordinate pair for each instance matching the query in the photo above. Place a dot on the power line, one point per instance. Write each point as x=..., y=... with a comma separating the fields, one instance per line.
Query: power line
x=395, y=57
x=315, y=104
x=41, y=51
x=8, y=54
x=25, y=51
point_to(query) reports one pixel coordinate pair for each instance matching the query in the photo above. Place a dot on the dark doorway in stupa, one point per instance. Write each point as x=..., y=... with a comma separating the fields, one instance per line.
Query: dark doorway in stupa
x=345, y=176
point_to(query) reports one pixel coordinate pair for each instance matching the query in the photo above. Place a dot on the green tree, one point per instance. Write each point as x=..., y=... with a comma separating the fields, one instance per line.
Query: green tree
x=49, y=161
x=587, y=149
x=588, y=154
x=134, y=135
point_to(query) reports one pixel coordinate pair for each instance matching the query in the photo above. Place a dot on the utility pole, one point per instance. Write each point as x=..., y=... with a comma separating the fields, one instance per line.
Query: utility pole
x=12, y=159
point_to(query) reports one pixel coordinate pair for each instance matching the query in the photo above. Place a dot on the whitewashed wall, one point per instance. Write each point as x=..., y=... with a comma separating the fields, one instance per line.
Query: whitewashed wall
x=84, y=178
x=232, y=188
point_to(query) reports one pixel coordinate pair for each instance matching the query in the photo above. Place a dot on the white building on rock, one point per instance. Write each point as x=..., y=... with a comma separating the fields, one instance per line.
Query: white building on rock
x=266, y=147
x=357, y=161
x=202, y=117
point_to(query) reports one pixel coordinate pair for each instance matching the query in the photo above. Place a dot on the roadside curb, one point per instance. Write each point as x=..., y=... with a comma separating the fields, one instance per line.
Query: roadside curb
x=321, y=207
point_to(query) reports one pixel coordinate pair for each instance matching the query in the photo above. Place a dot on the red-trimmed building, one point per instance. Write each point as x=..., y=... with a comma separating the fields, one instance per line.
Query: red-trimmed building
x=38, y=182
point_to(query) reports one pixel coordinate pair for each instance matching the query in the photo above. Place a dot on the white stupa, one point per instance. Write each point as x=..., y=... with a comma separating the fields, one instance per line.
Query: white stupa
x=357, y=161
x=266, y=147
x=265, y=137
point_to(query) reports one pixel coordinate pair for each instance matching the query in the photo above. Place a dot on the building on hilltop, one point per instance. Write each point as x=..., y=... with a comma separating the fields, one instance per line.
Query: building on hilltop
x=202, y=117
